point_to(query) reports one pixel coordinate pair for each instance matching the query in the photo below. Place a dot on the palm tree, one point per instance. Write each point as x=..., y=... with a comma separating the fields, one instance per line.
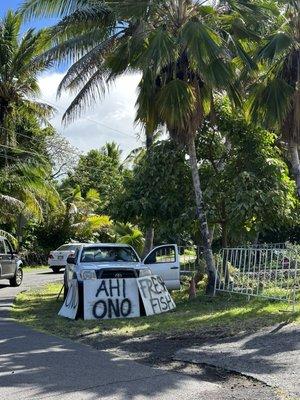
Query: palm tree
x=182, y=47
x=18, y=76
x=25, y=192
x=275, y=97
x=112, y=150
x=128, y=234
x=80, y=214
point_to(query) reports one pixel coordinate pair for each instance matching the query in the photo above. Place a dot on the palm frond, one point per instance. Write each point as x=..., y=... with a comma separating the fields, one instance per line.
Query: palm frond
x=11, y=202
x=32, y=206
x=128, y=234
x=10, y=237
x=160, y=50
x=50, y=8
x=93, y=90
x=270, y=101
x=82, y=69
x=177, y=103
x=276, y=45
x=41, y=110
x=203, y=44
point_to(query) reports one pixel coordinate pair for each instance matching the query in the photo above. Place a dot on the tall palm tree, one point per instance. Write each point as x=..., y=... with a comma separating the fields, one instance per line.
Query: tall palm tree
x=275, y=96
x=19, y=70
x=182, y=47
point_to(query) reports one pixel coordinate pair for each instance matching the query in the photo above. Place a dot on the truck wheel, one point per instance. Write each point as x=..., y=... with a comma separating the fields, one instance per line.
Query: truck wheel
x=17, y=279
x=55, y=269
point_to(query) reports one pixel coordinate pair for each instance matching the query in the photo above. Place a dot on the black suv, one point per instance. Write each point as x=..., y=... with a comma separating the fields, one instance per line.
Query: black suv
x=10, y=263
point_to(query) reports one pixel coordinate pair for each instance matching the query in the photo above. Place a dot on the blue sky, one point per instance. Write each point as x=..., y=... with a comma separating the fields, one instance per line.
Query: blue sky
x=14, y=5
x=110, y=119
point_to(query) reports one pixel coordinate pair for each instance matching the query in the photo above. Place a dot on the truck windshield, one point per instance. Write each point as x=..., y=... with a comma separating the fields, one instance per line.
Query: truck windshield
x=108, y=254
x=67, y=247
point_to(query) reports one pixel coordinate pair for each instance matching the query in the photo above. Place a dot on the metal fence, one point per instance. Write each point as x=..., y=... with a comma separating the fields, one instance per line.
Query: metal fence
x=190, y=258
x=266, y=272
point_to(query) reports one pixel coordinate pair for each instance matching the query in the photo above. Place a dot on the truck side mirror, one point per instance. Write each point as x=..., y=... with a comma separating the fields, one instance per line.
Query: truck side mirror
x=71, y=259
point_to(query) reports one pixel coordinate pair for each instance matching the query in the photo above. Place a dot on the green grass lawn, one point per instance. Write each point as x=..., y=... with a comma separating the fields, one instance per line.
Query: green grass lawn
x=35, y=268
x=233, y=314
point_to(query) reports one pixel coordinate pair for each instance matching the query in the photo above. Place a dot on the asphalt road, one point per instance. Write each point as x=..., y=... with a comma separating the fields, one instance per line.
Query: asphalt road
x=35, y=366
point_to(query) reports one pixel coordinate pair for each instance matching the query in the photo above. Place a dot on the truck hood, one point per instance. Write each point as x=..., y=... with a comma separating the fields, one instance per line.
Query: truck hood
x=112, y=265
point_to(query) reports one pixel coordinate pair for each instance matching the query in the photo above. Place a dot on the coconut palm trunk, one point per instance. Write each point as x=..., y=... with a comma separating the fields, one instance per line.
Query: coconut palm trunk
x=294, y=153
x=3, y=131
x=201, y=215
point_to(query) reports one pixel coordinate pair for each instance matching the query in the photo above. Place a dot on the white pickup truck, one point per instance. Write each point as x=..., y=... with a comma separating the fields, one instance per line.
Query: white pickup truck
x=110, y=260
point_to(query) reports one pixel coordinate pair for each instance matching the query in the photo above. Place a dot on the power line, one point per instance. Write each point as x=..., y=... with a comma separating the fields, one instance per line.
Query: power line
x=91, y=120
x=39, y=140
x=17, y=149
x=90, y=169
x=108, y=127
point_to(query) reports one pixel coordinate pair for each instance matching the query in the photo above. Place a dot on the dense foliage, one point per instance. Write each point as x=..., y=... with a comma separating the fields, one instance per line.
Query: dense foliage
x=246, y=185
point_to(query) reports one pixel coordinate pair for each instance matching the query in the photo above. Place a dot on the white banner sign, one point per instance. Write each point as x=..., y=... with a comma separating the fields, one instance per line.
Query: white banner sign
x=155, y=295
x=111, y=298
x=70, y=306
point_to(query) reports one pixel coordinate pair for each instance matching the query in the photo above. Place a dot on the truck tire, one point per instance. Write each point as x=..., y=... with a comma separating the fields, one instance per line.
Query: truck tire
x=17, y=279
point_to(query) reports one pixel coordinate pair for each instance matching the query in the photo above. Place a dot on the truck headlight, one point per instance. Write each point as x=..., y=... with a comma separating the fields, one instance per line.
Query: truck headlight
x=88, y=274
x=145, y=272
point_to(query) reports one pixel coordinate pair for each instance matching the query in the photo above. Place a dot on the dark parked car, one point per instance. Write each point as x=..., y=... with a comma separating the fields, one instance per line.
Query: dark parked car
x=10, y=263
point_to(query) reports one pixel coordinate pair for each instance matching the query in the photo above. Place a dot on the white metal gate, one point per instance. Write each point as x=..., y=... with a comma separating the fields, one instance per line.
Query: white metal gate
x=261, y=271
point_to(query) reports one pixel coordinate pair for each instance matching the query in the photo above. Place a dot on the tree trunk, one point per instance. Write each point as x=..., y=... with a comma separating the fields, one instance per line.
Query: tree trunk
x=224, y=234
x=149, y=237
x=208, y=255
x=21, y=222
x=4, y=132
x=294, y=152
x=149, y=234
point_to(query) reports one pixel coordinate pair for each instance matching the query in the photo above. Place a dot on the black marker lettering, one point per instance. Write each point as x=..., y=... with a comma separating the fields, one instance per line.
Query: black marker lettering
x=155, y=303
x=112, y=287
x=113, y=307
x=125, y=307
x=124, y=288
x=102, y=287
x=96, y=307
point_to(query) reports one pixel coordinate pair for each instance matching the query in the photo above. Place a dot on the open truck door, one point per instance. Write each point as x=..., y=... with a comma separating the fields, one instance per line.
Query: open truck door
x=164, y=262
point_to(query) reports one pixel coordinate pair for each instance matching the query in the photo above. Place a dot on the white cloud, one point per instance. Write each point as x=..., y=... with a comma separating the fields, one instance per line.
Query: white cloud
x=110, y=119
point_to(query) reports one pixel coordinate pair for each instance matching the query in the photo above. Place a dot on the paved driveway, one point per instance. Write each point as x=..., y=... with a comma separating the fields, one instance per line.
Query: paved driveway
x=35, y=366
